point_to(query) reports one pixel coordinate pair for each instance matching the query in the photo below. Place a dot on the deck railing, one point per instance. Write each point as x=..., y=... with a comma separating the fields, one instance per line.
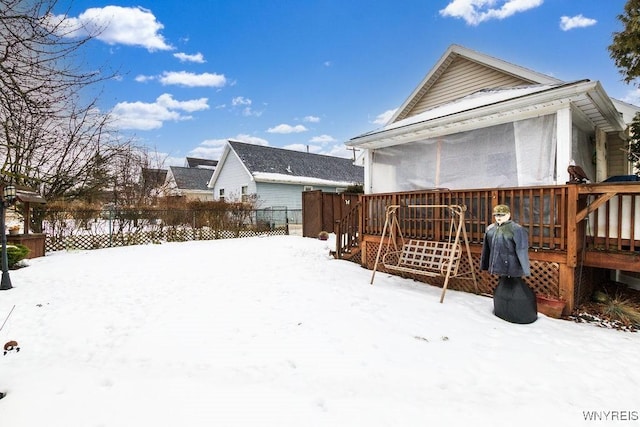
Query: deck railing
x=612, y=216
x=542, y=210
x=347, y=231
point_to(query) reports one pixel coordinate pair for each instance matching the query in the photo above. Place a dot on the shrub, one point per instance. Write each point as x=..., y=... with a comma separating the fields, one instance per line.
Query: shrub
x=620, y=309
x=15, y=254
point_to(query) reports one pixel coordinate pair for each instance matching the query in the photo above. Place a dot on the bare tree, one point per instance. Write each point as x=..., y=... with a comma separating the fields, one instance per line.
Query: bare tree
x=50, y=137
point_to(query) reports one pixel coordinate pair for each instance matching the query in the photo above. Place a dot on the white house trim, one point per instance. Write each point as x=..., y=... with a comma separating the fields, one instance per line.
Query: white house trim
x=588, y=96
x=563, y=145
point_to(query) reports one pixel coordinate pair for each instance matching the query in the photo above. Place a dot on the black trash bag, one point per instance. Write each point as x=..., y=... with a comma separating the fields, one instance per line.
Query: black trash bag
x=514, y=301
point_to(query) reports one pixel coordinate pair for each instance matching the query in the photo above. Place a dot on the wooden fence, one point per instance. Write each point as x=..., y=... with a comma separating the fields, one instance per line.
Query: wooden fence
x=321, y=210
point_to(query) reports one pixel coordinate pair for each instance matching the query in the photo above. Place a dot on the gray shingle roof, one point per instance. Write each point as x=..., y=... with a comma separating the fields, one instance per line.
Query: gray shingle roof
x=258, y=158
x=191, y=178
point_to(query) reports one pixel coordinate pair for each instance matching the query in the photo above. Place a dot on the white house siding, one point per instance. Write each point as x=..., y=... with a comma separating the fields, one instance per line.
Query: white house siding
x=275, y=195
x=462, y=78
x=233, y=176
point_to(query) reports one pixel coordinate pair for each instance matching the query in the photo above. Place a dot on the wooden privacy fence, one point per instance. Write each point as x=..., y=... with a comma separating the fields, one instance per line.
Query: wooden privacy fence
x=321, y=210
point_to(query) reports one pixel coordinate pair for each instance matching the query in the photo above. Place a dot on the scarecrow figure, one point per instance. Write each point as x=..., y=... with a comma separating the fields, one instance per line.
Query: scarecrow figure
x=505, y=252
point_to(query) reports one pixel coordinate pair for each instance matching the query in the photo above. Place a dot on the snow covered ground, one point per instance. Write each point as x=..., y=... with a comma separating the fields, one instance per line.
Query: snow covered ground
x=272, y=331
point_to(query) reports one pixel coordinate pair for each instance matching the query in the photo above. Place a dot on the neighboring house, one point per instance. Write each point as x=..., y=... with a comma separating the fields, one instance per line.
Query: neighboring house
x=477, y=122
x=193, y=162
x=190, y=183
x=278, y=176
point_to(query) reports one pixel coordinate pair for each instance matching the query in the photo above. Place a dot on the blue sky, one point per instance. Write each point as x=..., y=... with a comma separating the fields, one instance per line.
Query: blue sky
x=311, y=74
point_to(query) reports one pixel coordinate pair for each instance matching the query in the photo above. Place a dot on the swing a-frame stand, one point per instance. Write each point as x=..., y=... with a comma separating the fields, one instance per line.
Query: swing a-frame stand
x=425, y=257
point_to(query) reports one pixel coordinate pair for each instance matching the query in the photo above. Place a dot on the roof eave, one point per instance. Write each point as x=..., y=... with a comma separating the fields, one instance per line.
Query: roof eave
x=305, y=181
x=534, y=104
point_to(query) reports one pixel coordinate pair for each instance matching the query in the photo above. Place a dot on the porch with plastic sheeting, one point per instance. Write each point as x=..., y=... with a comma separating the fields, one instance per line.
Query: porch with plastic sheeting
x=577, y=233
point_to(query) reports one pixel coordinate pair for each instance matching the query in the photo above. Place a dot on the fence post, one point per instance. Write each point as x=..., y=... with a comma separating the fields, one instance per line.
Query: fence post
x=110, y=207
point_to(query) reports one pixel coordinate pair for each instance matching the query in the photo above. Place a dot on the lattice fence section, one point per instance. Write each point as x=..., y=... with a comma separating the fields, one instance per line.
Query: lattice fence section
x=99, y=241
x=544, y=279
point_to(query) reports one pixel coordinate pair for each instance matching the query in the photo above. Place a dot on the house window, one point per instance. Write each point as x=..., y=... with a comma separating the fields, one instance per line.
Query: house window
x=221, y=194
x=308, y=188
x=245, y=193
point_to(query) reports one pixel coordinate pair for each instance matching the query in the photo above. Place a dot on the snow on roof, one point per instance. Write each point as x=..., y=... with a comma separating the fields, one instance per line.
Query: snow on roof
x=476, y=99
x=292, y=179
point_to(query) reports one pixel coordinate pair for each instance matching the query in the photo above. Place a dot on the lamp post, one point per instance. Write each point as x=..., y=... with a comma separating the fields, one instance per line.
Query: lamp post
x=8, y=199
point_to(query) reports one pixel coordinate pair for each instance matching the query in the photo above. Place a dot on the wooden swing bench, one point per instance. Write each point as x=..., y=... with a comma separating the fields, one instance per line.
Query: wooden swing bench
x=426, y=257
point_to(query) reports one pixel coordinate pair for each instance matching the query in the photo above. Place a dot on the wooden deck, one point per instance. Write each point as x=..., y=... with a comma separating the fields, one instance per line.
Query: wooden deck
x=576, y=232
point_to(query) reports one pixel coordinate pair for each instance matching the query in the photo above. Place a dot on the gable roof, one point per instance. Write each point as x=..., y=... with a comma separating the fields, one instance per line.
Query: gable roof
x=270, y=164
x=487, y=100
x=460, y=62
x=194, y=162
x=190, y=178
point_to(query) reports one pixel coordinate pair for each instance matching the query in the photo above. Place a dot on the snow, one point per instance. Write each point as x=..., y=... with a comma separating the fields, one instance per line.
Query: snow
x=272, y=331
x=294, y=179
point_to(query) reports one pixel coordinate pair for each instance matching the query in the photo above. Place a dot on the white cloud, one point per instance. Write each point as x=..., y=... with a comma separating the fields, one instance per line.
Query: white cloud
x=339, y=150
x=131, y=26
x=209, y=149
x=213, y=148
x=569, y=23
x=166, y=100
x=183, y=57
x=311, y=119
x=306, y=148
x=143, y=79
x=184, y=78
x=284, y=128
x=240, y=100
x=328, y=63
x=250, y=139
x=476, y=11
x=147, y=116
x=322, y=139
x=632, y=97
x=383, y=118
x=247, y=111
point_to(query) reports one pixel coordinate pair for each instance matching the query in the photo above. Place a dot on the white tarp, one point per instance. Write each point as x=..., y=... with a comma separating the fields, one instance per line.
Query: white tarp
x=514, y=154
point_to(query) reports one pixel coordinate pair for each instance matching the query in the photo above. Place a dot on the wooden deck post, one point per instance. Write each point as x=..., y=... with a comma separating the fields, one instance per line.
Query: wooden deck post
x=572, y=226
x=567, y=287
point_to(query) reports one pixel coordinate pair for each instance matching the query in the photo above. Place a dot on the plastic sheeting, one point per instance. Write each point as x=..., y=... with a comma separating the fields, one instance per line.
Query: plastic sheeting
x=514, y=154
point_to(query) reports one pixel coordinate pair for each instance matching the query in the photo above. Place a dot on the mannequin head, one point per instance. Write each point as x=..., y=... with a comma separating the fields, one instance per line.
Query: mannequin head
x=501, y=213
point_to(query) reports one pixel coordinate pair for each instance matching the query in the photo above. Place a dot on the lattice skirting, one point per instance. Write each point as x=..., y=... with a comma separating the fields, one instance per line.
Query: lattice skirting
x=544, y=279
x=143, y=238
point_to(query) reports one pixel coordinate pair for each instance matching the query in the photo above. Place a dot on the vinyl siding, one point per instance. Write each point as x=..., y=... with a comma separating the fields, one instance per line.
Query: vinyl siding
x=617, y=163
x=272, y=195
x=462, y=78
x=233, y=176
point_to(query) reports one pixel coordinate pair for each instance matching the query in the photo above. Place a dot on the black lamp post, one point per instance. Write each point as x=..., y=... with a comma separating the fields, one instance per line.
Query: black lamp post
x=8, y=199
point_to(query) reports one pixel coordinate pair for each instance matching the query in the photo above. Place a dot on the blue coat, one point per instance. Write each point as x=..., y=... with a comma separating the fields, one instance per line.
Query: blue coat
x=505, y=250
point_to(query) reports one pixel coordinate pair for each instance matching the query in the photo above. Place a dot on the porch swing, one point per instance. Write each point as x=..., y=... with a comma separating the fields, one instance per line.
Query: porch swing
x=425, y=257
